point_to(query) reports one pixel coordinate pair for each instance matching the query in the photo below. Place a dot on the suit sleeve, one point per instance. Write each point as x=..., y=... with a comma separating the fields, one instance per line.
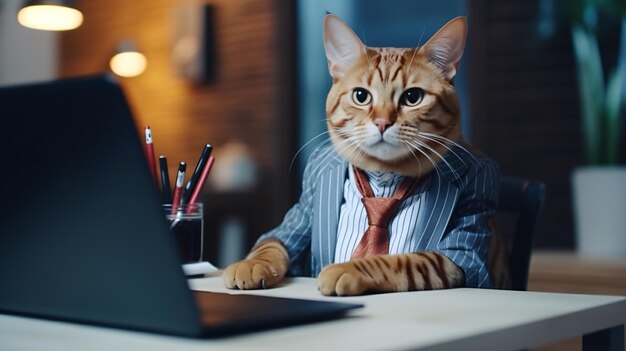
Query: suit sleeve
x=467, y=235
x=295, y=230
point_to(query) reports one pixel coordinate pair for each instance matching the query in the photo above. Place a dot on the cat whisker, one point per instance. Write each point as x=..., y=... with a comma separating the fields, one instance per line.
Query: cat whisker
x=417, y=148
x=419, y=41
x=446, y=140
x=351, y=147
x=414, y=133
x=416, y=49
x=426, y=146
x=408, y=134
x=324, y=153
x=359, y=152
x=444, y=145
x=305, y=145
x=419, y=164
x=369, y=63
x=425, y=153
x=354, y=153
x=449, y=126
x=354, y=140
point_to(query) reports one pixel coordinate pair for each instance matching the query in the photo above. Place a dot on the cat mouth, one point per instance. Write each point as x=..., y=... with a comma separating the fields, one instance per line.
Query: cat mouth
x=383, y=150
x=373, y=145
x=381, y=140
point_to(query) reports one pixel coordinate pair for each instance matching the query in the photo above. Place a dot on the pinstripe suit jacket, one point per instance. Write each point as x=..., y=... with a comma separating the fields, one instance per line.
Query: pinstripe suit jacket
x=457, y=202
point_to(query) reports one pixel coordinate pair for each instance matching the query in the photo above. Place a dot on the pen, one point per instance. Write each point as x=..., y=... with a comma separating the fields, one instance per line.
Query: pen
x=178, y=191
x=201, y=181
x=191, y=185
x=165, y=180
x=150, y=153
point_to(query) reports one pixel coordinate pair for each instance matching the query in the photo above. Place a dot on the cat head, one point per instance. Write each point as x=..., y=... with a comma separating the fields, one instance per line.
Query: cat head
x=389, y=109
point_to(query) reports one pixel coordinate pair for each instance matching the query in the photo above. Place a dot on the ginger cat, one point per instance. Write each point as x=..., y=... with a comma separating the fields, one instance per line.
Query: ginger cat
x=392, y=114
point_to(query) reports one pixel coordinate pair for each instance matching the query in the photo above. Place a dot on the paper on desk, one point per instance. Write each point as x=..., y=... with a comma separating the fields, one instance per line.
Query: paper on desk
x=198, y=268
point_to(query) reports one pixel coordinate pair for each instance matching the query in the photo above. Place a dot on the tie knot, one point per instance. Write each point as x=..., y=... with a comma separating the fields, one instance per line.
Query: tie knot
x=380, y=210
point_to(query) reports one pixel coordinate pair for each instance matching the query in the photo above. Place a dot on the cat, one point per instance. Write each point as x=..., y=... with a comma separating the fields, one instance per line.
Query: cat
x=394, y=114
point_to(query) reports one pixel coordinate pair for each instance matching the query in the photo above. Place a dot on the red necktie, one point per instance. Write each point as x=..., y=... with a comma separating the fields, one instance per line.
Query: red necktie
x=380, y=211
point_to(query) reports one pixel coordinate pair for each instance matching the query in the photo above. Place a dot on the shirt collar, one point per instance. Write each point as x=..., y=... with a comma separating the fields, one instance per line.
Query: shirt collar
x=384, y=179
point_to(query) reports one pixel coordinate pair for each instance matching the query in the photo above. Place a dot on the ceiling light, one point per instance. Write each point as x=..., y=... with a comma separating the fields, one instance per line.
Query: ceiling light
x=54, y=15
x=128, y=62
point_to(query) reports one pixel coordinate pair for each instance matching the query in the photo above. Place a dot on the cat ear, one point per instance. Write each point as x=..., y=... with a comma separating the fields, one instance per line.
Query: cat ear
x=343, y=47
x=445, y=48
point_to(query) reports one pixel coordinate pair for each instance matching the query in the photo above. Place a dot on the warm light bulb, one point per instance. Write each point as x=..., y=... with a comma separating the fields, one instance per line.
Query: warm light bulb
x=50, y=17
x=128, y=64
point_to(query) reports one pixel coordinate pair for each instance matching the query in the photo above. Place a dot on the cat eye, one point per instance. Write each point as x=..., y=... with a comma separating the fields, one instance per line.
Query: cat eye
x=361, y=96
x=412, y=97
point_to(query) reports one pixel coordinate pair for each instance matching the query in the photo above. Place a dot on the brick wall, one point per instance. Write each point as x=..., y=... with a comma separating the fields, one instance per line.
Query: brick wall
x=251, y=98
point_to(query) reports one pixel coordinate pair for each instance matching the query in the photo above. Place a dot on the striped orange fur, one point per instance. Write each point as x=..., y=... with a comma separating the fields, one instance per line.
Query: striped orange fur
x=390, y=273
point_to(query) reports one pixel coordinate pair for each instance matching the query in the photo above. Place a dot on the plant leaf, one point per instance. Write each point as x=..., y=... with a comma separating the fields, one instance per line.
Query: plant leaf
x=591, y=90
x=612, y=114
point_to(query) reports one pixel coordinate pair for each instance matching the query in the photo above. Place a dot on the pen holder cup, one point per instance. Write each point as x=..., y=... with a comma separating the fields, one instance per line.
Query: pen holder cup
x=187, y=225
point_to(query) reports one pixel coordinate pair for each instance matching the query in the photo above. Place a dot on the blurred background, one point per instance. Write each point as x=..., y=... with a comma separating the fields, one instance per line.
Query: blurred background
x=250, y=78
x=542, y=85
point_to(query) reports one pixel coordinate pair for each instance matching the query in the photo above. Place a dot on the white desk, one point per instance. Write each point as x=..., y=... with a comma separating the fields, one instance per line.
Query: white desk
x=458, y=319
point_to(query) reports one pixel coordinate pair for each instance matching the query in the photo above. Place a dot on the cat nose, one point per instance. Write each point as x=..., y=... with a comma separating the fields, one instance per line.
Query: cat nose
x=382, y=124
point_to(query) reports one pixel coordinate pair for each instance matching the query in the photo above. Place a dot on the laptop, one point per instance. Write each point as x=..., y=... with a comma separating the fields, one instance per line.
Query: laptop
x=82, y=235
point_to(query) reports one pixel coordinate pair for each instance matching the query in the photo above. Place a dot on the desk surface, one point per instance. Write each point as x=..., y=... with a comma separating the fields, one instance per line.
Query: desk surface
x=466, y=319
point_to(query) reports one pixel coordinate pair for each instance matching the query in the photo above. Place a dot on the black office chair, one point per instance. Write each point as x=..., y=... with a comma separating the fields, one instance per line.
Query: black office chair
x=524, y=199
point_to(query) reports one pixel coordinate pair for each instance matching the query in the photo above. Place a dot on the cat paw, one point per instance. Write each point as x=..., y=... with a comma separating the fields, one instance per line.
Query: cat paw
x=343, y=279
x=251, y=274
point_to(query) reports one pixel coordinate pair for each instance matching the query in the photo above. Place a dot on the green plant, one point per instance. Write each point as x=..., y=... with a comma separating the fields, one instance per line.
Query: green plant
x=600, y=98
x=600, y=103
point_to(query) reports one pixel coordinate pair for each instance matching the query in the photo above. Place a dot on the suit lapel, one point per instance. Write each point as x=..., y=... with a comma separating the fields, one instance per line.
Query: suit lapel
x=335, y=179
x=439, y=199
x=329, y=198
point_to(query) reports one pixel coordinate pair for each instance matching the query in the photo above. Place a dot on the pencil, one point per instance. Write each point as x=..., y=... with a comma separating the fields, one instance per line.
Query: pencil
x=178, y=191
x=201, y=182
x=165, y=180
x=191, y=185
x=150, y=154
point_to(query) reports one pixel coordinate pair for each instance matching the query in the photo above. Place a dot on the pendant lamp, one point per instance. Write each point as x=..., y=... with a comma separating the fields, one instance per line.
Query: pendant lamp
x=52, y=15
x=128, y=61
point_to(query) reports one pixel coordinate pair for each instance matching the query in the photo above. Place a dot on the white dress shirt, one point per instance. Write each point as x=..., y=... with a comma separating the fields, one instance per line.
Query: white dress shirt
x=353, y=218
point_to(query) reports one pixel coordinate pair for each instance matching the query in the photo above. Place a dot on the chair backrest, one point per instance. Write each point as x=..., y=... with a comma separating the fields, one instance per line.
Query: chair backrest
x=525, y=199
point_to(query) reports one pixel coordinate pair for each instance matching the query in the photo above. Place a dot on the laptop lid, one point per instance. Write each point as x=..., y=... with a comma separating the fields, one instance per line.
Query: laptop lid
x=82, y=234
